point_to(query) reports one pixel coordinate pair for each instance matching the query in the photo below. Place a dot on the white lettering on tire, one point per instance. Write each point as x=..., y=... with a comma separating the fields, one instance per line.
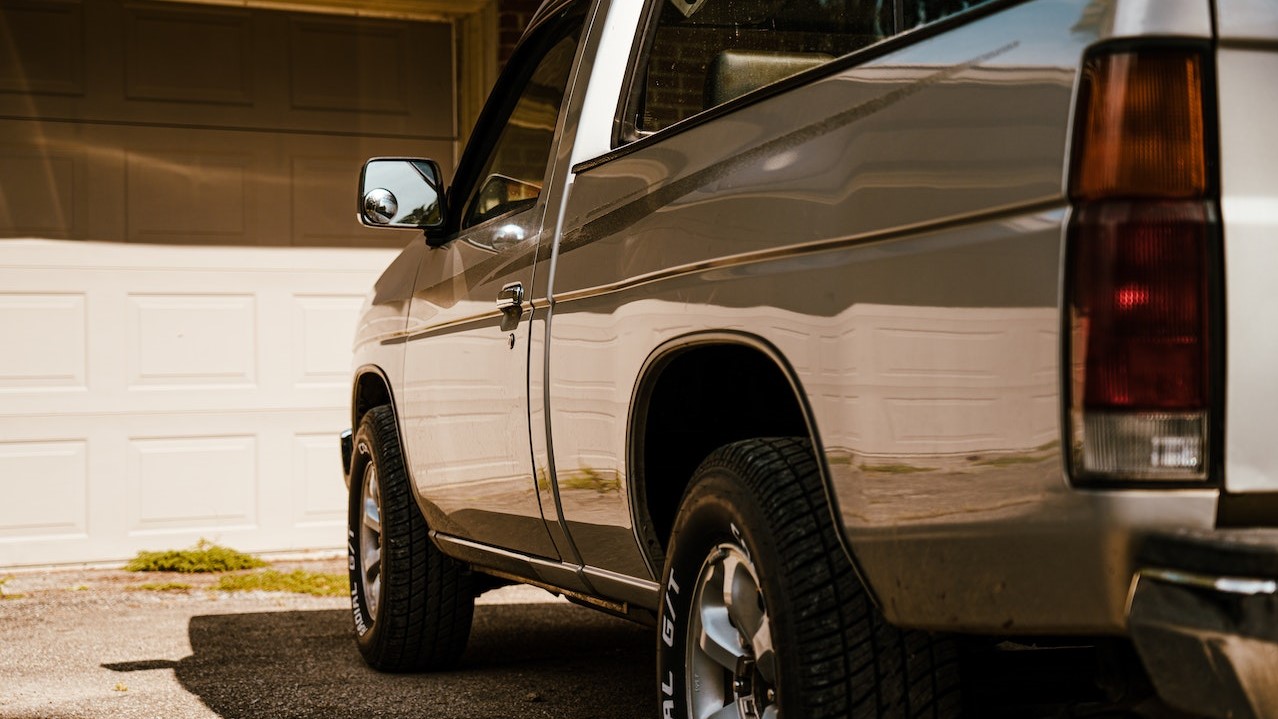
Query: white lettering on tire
x=667, y=623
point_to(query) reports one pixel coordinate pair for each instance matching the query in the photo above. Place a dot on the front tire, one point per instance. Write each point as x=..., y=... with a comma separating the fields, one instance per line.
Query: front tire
x=763, y=615
x=412, y=606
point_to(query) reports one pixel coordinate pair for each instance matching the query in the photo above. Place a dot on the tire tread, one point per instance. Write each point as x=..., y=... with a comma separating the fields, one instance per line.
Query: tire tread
x=853, y=663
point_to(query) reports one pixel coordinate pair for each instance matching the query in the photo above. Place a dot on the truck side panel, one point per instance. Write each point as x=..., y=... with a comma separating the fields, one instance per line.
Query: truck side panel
x=895, y=230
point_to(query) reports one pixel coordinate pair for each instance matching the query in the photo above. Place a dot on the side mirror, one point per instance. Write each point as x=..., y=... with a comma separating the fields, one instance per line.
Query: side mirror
x=401, y=192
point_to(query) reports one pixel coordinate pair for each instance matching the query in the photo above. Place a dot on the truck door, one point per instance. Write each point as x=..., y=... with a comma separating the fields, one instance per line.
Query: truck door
x=465, y=399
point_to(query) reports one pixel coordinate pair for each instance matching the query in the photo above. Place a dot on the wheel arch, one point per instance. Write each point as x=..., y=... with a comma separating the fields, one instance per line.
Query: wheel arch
x=688, y=401
x=370, y=388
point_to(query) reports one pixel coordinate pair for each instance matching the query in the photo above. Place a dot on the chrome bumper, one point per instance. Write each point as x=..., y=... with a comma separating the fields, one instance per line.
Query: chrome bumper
x=1204, y=618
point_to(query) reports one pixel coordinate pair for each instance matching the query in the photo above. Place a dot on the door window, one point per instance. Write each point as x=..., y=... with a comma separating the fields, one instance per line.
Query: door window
x=513, y=172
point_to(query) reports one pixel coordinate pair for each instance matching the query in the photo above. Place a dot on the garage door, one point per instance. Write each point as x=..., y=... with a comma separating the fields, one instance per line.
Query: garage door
x=180, y=268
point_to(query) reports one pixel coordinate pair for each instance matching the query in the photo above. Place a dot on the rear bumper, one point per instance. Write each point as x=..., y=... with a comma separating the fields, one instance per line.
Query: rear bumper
x=1204, y=618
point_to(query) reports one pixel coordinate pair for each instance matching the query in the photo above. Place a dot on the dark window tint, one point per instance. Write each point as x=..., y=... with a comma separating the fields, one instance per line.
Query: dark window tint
x=922, y=12
x=513, y=174
x=706, y=52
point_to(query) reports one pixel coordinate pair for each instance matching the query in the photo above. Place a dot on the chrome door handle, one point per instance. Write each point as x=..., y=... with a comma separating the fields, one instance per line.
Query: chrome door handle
x=511, y=298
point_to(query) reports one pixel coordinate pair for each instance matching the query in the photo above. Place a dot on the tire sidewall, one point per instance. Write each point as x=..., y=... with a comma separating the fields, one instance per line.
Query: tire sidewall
x=366, y=453
x=717, y=510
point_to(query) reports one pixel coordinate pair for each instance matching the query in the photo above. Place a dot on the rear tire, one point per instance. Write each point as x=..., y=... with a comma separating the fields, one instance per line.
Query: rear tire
x=762, y=608
x=412, y=606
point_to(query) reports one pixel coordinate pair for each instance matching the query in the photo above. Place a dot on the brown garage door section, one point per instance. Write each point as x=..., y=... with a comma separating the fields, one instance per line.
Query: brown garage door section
x=183, y=124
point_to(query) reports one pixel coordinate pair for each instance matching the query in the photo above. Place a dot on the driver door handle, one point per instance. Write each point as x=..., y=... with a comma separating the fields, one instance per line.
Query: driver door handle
x=511, y=298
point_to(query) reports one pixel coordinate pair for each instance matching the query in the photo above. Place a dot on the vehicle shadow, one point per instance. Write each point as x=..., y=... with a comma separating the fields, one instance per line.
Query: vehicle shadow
x=524, y=660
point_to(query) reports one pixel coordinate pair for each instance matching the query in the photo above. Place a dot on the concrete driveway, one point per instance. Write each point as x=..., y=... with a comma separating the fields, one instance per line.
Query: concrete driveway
x=81, y=645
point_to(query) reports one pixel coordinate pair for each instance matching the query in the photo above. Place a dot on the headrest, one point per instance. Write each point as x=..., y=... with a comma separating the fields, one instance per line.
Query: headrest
x=735, y=72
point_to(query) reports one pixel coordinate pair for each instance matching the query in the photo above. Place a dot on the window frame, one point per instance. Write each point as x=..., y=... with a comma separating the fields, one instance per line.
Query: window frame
x=539, y=39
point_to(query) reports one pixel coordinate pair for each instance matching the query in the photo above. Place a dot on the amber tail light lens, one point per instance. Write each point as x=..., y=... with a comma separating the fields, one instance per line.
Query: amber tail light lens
x=1142, y=131
x=1138, y=266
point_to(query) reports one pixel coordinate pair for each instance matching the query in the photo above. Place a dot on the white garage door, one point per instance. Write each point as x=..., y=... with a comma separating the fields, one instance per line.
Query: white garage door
x=183, y=270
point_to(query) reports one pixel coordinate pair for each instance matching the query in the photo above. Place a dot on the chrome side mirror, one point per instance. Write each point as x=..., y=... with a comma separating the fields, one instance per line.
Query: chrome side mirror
x=401, y=192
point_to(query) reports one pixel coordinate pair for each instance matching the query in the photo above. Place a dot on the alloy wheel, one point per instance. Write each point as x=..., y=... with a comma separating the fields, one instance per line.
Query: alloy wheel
x=731, y=662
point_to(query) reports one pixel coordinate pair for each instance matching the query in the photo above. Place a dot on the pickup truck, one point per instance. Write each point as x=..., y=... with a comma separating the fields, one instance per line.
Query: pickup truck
x=826, y=336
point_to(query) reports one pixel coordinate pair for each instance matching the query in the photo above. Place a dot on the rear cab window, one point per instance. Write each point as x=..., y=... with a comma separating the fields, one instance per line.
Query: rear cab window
x=699, y=54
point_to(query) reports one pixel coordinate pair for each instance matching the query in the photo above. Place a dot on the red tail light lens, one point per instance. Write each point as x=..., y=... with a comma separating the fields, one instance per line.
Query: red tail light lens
x=1139, y=259
x=1140, y=287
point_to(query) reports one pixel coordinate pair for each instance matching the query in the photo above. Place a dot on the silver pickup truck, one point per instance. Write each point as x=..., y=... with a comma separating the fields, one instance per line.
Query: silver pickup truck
x=825, y=335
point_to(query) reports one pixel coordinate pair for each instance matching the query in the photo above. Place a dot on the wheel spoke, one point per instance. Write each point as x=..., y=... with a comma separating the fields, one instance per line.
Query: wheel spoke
x=372, y=501
x=372, y=515
x=761, y=644
x=719, y=639
x=741, y=597
x=370, y=538
x=772, y=711
x=728, y=712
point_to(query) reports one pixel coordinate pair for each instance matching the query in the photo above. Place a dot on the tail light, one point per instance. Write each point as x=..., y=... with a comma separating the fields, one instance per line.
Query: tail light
x=1142, y=248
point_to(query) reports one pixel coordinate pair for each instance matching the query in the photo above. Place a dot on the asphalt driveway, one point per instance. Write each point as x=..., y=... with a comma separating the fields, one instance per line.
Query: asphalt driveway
x=89, y=645
x=83, y=645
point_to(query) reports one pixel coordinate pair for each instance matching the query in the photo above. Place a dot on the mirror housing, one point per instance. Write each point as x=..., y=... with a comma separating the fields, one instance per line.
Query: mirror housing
x=402, y=192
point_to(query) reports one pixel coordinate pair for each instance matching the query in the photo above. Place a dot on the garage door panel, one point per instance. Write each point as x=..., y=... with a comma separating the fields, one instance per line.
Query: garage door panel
x=216, y=51
x=37, y=191
x=192, y=341
x=45, y=488
x=44, y=342
x=319, y=501
x=323, y=326
x=332, y=66
x=184, y=197
x=192, y=482
x=43, y=179
x=44, y=48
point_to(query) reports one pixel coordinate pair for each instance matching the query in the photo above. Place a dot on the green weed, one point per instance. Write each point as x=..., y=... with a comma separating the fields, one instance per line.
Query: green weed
x=162, y=587
x=204, y=557
x=5, y=595
x=298, y=581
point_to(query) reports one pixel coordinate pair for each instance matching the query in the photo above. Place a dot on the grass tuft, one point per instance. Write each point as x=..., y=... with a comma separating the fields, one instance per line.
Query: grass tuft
x=162, y=587
x=4, y=595
x=299, y=581
x=204, y=557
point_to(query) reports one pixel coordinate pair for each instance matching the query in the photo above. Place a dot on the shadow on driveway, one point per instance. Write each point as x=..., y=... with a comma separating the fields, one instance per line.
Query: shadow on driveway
x=524, y=660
